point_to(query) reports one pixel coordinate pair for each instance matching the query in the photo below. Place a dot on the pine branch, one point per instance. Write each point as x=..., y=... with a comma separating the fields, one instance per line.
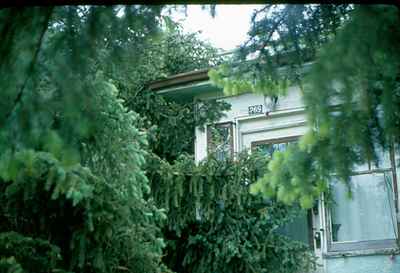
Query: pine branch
x=31, y=67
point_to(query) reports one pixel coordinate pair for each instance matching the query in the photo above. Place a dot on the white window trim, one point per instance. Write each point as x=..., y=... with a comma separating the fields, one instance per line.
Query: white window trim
x=354, y=248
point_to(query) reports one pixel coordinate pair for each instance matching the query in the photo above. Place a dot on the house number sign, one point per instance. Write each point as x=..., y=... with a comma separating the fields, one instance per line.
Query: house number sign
x=255, y=109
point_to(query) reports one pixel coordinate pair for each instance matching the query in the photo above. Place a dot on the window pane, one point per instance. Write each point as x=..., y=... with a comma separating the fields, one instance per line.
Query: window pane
x=298, y=229
x=265, y=149
x=383, y=159
x=280, y=146
x=361, y=167
x=220, y=140
x=269, y=148
x=369, y=215
x=383, y=162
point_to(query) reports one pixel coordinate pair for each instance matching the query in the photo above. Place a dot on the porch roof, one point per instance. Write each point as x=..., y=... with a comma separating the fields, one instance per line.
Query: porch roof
x=184, y=86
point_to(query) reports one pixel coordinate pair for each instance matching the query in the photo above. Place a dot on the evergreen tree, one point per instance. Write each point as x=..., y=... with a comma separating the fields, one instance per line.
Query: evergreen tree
x=71, y=163
x=77, y=164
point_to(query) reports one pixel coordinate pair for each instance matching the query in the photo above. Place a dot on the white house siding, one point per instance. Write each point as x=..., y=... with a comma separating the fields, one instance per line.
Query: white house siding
x=286, y=110
x=364, y=264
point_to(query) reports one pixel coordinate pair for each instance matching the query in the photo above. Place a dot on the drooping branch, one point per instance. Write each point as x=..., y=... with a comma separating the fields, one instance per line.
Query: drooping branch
x=47, y=12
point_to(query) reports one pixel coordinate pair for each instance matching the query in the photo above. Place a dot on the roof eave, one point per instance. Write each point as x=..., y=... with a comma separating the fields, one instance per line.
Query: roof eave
x=180, y=79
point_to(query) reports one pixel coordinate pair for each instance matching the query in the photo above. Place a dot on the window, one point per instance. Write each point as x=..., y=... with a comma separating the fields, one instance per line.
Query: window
x=368, y=220
x=220, y=140
x=268, y=147
x=300, y=228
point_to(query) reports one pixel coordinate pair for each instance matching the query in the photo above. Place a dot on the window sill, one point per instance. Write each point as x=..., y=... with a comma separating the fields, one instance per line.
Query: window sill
x=364, y=252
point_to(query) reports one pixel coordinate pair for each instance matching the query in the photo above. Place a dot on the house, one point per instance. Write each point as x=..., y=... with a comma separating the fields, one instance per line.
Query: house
x=351, y=236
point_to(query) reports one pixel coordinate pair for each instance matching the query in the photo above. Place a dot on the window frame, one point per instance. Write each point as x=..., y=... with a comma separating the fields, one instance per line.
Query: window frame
x=346, y=246
x=340, y=247
x=279, y=140
x=210, y=147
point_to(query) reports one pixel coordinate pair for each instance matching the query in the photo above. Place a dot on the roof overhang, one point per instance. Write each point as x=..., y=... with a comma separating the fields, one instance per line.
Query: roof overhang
x=184, y=86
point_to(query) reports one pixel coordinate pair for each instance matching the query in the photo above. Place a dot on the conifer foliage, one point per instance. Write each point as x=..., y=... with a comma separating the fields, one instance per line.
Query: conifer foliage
x=95, y=174
x=215, y=225
x=71, y=163
x=207, y=204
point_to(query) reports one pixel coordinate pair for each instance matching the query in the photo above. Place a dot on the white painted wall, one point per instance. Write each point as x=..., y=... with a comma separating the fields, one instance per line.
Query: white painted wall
x=248, y=128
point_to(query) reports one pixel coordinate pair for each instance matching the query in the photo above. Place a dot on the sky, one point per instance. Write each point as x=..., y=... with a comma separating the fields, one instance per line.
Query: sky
x=227, y=30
